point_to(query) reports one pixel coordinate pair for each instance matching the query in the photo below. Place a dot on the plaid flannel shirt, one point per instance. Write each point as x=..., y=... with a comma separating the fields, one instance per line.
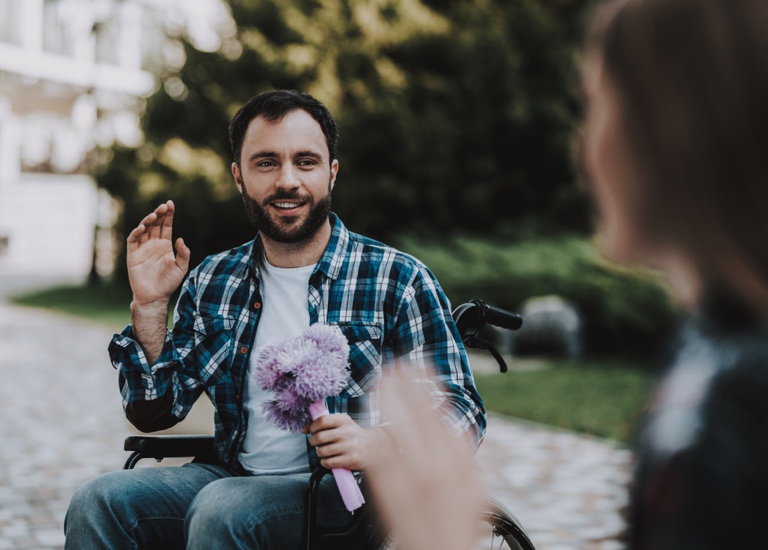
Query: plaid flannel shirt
x=387, y=303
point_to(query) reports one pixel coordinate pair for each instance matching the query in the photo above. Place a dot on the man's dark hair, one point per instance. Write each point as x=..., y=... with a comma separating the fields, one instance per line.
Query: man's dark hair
x=273, y=106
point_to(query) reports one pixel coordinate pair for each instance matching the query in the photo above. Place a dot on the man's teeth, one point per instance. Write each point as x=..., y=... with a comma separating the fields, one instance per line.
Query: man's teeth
x=285, y=204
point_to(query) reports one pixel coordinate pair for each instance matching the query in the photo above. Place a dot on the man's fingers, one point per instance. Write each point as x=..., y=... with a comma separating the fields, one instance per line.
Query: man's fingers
x=328, y=422
x=156, y=228
x=166, y=224
x=182, y=255
x=135, y=236
x=329, y=450
x=144, y=229
x=334, y=462
x=326, y=437
x=157, y=224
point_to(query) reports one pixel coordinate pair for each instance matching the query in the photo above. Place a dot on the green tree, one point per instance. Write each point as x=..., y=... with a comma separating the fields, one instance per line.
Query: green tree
x=455, y=115
x=479, y=134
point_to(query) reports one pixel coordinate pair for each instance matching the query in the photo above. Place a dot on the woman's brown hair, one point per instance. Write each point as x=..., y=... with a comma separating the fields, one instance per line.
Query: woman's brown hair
x=692, y=82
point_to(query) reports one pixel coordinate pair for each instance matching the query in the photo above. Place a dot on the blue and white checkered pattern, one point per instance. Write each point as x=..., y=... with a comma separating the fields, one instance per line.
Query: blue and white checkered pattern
x=387, y=303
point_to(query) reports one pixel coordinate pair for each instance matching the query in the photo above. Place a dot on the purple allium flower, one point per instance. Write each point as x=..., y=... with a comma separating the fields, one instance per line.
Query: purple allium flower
x=288, y=399
x=328, y=338
x=298, y=353
x=319, y=378
x=271, y=373
x=301, y=371
x=290, y=420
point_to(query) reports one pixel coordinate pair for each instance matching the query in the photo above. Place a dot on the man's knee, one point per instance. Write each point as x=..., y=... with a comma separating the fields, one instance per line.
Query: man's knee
x=144, y=507
x=217, y=511
x=97, y=511
x=97, y=496
x=240, y=514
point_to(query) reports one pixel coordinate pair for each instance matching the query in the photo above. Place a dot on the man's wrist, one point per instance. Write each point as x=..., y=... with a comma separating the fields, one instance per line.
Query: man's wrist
x=150, y=309
x=148, y=327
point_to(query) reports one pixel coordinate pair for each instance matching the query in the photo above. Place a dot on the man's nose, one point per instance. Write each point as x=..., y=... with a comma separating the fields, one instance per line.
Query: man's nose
x=289, y=177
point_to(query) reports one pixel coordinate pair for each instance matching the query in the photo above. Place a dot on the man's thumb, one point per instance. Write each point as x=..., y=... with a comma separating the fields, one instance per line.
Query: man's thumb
x=182, y=255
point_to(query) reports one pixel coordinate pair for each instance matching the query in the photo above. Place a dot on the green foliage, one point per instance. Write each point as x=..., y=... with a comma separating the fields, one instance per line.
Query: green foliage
x=604, y=398
x=622, y=310
x=478, y=137
x=454, y=115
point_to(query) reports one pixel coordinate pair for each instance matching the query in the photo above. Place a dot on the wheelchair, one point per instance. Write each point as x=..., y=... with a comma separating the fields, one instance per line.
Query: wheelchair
x=497, y=526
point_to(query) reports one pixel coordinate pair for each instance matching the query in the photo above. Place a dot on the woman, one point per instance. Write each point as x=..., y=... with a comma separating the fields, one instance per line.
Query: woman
x=675, y=151
x=675, y=148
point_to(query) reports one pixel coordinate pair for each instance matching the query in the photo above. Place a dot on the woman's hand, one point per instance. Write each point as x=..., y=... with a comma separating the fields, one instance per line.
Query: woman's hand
x=428, y=489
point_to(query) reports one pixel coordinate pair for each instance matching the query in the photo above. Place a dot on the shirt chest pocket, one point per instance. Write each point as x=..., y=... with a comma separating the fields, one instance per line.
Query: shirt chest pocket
x=364, y=356
x=214, y=343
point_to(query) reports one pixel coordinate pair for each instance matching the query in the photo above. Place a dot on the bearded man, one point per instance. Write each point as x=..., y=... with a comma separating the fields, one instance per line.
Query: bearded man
x=303, y=267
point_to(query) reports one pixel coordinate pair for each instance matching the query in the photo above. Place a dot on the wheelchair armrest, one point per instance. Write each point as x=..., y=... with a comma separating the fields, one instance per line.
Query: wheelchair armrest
x=362, y=531
x=168, y=446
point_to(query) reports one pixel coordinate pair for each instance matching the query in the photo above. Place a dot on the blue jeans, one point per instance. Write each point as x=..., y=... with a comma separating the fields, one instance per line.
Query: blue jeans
x=194, y=506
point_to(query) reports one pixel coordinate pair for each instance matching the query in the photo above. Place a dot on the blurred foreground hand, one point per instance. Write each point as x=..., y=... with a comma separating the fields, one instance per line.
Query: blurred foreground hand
x=428, y=489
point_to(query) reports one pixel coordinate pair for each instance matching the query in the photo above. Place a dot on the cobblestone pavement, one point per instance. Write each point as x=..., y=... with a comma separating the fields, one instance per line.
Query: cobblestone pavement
x=62, y=424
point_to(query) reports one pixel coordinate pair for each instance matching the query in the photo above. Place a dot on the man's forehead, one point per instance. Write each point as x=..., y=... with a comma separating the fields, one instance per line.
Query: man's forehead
x=297, y=125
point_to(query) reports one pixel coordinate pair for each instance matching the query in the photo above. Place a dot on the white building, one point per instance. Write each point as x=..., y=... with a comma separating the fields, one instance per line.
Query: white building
x=72, y=77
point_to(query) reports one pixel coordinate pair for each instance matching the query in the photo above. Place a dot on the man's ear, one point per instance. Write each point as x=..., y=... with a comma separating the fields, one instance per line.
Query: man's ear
x=334, y=172
x=238, y=177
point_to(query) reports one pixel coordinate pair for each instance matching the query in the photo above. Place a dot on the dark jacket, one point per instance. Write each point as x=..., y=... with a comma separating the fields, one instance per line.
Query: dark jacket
x=702, y=461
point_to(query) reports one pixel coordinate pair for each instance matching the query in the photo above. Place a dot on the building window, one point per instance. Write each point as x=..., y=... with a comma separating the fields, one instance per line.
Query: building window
x=108, y=40
x=152, y=41
x=9, y=21
x=58, y=23
x=5, y=241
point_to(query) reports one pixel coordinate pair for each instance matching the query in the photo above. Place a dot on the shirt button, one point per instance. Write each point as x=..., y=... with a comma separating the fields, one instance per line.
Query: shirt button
x=256, y=305
x=243, y=350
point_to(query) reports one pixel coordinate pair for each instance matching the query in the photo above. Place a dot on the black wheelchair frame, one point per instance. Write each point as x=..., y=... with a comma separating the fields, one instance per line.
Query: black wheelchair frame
x=364, y=530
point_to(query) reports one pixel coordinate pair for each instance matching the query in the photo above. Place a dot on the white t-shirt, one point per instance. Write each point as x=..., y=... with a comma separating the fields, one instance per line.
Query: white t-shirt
x=268, y=450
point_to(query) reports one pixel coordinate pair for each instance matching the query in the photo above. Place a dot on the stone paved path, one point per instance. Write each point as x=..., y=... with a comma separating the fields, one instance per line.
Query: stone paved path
x=61, y=423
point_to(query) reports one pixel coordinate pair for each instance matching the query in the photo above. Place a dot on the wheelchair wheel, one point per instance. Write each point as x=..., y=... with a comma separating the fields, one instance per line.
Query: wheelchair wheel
x=497, y=528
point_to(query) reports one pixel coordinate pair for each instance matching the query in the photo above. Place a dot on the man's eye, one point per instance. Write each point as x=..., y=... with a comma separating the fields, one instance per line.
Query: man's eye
x=305, y=163
x=266, y=164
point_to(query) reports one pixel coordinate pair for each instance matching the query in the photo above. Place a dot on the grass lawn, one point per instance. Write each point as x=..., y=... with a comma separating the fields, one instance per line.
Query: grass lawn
x=599, y=397
x=107, y=304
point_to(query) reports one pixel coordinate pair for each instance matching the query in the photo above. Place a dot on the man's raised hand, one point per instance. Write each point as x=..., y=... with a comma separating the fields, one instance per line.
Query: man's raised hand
x=153, y=270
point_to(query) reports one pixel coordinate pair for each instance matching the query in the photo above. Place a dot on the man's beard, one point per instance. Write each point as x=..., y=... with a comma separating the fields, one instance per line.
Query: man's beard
x=285, y=233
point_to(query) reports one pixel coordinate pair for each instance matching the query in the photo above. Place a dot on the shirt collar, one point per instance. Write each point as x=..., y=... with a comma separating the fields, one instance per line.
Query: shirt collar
x=332, y=259
x=330, y=262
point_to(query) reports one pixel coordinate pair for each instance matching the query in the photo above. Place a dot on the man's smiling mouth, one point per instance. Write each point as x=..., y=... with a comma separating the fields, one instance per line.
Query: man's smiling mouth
x=286, y=205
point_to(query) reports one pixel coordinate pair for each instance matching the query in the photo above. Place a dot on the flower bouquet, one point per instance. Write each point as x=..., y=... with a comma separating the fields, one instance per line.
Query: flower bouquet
x=302, y=372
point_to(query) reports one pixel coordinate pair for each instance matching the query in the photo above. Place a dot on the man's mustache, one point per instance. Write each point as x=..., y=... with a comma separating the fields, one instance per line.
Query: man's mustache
x=284, y=195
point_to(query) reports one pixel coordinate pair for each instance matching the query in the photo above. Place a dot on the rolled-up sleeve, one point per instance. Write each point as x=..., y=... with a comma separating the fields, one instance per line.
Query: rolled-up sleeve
x=428, y=338
x=169, y=379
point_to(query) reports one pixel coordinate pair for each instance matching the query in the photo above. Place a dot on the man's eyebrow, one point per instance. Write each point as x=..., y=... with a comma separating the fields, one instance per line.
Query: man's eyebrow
x=263, y=155
x=308, y=153
x=273, y=155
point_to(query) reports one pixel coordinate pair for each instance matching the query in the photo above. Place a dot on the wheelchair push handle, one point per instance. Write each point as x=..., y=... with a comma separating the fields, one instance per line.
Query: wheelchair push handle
x=502, y=318
x=471, y=318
